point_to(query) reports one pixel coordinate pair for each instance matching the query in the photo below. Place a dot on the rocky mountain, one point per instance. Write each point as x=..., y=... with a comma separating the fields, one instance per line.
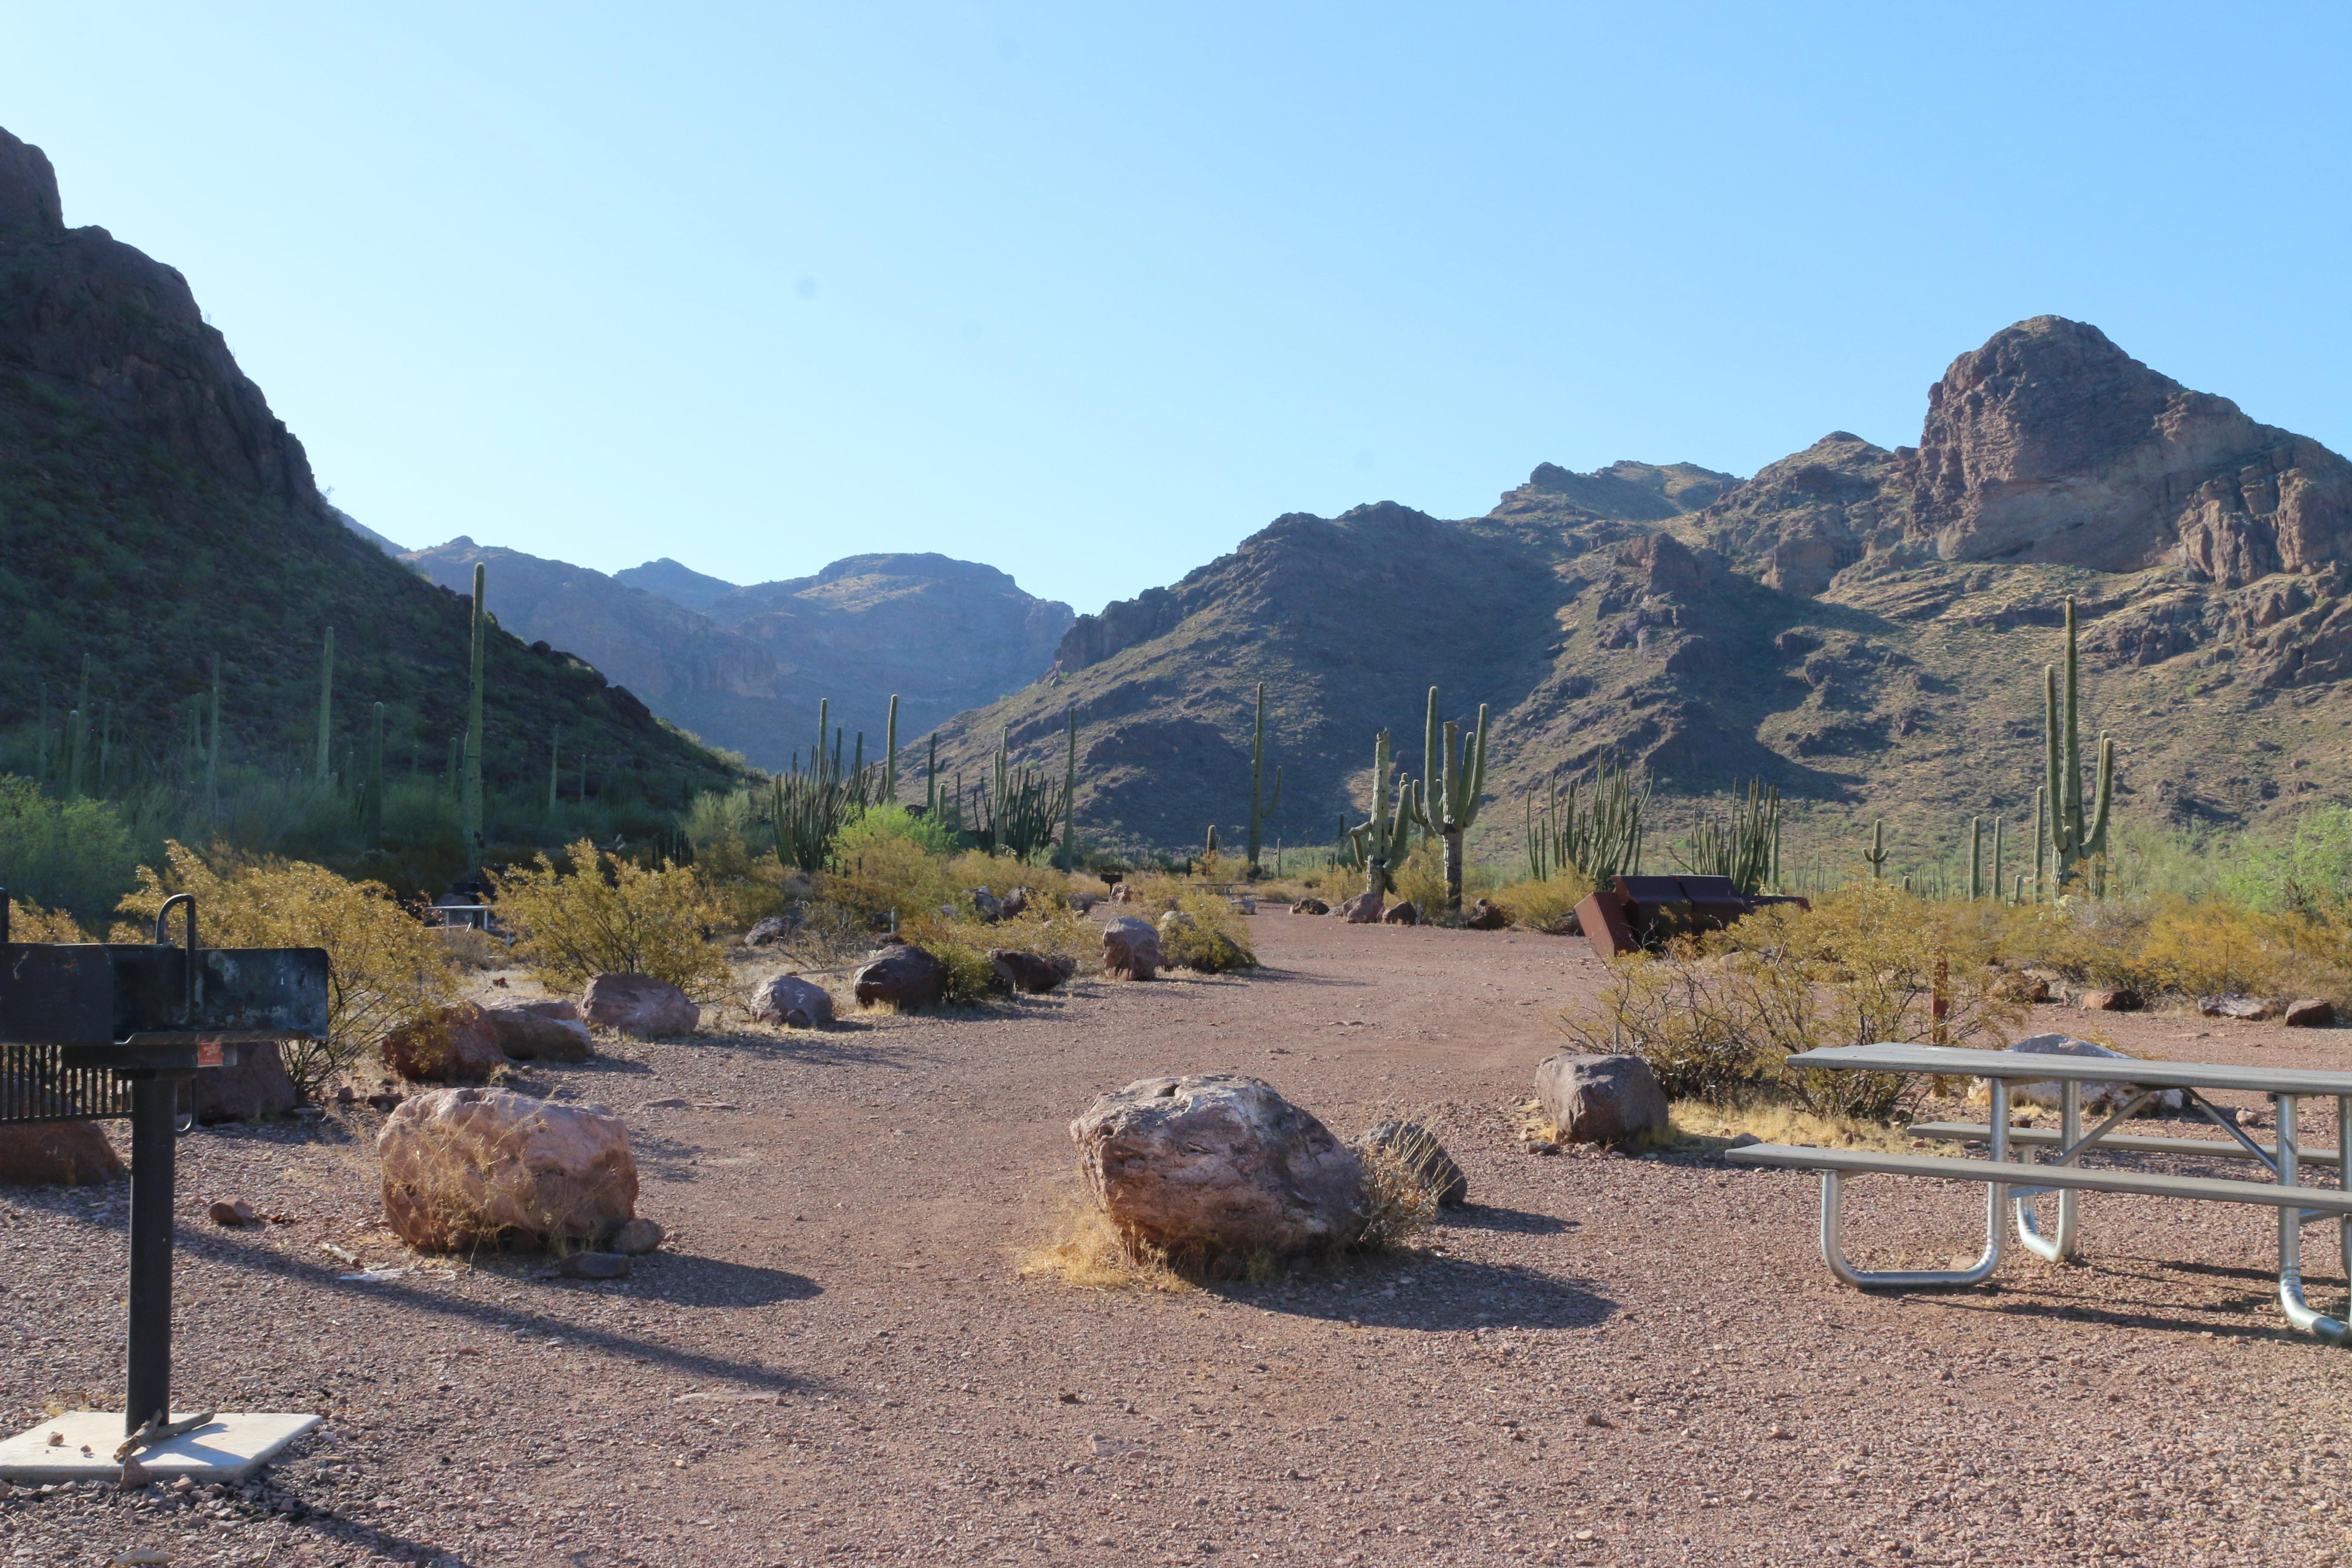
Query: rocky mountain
x=744, y=668
x=154, y=513
x=1863, y=627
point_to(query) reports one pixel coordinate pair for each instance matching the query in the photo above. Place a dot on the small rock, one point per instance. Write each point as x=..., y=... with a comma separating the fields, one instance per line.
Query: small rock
x=1594, y=1418
x=1028, y=971
x=986, y=905
x=671, y=1103
x=1246, y=905
x=1743, y=1141
x=1419, y=1149
x=2311, y=1012
x=1122, y=894
x=593, y=1266
x=343, y=1095
x=1130, y=948
x=1310, y=907
x=2116, y=999
x=636, y=1238
x=1483, y=916
x=232, y=1211
x=386, y=1100
x=529, y=1036
x=1084, y=903
x=1541, y=1146
x=456, y=1044
x=1407, y=913
x=639, y=1005
x=790, y=1000
x=1610, y=1100
x=1016, y=903
x=774, y=929
x=134, y=1476
x=1363, y=910
x=2235, y=1004
x=901, y=977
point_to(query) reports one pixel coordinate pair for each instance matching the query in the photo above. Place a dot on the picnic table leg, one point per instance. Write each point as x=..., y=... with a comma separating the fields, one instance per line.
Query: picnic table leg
x=2298, y=1312
x=2344, y=1179
x=1996, y=1200
x=2057, y=1249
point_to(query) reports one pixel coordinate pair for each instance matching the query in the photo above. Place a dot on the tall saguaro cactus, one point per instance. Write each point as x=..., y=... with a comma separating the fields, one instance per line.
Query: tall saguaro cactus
x=1261, y=805
x=2078, y=835
x=1456, y=774
x=471, y=811
x=1876, y=854
x=2041, y=837
x=374, y=813
x=890, y=756
x=1976, y=859
x=1070, y=794
x=325, y=769
x=1380, y=843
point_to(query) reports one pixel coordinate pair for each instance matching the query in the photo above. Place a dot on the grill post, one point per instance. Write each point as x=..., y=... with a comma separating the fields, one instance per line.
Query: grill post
x=154, y=1097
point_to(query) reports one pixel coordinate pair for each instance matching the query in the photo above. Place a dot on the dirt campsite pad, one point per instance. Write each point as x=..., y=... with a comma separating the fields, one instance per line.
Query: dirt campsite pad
x=1603, y=1360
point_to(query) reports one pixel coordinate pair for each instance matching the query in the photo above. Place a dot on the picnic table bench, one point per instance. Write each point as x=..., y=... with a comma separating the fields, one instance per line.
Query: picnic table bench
x=2017, y=1183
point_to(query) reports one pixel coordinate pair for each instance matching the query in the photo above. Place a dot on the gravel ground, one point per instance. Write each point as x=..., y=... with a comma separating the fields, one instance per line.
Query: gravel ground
x=1603, y=1360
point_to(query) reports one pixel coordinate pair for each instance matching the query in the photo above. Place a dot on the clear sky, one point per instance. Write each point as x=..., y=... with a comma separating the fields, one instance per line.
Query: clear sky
x=1093, y=291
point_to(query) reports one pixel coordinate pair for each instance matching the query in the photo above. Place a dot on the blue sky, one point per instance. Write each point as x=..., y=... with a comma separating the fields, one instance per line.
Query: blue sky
x=1091, y=292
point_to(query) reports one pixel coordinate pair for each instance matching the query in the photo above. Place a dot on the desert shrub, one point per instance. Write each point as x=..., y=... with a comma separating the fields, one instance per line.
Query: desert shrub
x=892, y=821
x=1709, y=1027
x=30, y=923
x=472, y=951
x=2302, y=868
x=384, y=969
x=606, y=915
x=1211, y=938
x=1402, y=1184
x=1544, y=905
x=77, y=855
x=889, y=875
x=1420, y=881
x=1087, y=1251
x=961, y=942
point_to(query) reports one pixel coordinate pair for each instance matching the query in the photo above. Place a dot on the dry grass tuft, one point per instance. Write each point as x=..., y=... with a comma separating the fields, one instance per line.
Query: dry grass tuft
x=1400, y=1198
x=1710, y=1125
x=1087, y=1252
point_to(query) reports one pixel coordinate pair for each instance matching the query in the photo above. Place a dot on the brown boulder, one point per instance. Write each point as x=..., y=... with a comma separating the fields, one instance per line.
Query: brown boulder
x=1216, y=1170
x=2236, y=1004
x=470, y=1167
x=1363, y=910
x=1130, y=948
x=1310, y=907
x=1601, y=1099
x=1483, y=916
x=2115, y=999
x=639, y=1005
x=903, y=976
x=790, y=1000
x=2023, y=987
x=1407, y=913
x=57, y=1155
x=2311, y=1012
x=450, y=1045
x=256, y=1085
x=1028, y=970
x=529, y=1036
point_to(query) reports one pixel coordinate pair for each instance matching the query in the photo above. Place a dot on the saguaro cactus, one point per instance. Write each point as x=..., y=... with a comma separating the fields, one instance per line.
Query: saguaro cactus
x=1876, y=854
x=1380, y=843
x=2040, y=838
x=1457, y=773
x=890, y=756
x=931, y=780
x=1976, y=859
x=2078, y=835
x=212, y=750
x=373, y=812
x=325, y=769
x=554, y=763
x=1261, y=805
x=471, y=812
x=1070, y=794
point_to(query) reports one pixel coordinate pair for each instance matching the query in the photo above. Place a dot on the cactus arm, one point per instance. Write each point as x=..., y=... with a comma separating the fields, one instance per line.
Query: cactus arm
x=1433, y=772
x=1477, y=773
x=1275, y=800
x=2095, y=842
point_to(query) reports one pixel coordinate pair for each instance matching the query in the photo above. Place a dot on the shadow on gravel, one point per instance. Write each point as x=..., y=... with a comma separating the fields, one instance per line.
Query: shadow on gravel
x=715, y=1281
x=1518, y=1222
x=1435, y=1293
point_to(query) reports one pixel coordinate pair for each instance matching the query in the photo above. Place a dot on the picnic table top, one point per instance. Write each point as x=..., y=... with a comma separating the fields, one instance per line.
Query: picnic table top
x=1952, y=1061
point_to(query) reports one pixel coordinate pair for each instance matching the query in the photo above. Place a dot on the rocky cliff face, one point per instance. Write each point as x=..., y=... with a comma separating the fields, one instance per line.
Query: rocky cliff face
x=1863, y=627
x=154, y=512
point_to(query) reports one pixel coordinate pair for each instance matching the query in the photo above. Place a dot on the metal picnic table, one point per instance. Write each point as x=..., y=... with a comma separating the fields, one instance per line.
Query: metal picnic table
x=2286, y=1087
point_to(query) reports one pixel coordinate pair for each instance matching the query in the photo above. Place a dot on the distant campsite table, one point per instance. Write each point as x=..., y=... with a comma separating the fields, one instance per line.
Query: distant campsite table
x=2017, y=1182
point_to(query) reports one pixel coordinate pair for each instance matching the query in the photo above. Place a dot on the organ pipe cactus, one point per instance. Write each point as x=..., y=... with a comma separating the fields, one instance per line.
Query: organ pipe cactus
x=2078, y=834
x=1457, y=768
x=1261, y=805
x=1380, y=843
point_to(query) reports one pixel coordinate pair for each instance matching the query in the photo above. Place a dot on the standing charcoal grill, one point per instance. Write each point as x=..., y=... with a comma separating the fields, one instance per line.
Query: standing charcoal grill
x=95, y=1031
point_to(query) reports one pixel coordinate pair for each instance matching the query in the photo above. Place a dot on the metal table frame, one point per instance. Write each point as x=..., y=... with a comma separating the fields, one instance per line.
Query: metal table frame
x=2286, y=1088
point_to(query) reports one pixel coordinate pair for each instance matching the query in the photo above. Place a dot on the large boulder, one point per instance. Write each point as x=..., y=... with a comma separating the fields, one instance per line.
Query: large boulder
x=902, y=975
x=529, y=1034
x=2110, y=999
x=1601, y=1099
x=774, y=929
x=1016, y=902
x=1130, y=948
x=1483, y=916
x=1363, y=910
x=484, y=1167
x=458, y=1044
x=638, y=1005
x=1407, y=913
x=987, y=905
x=2101, y=1095
x=1416, y=1148
x=1083, y=904
x=2310, y=1013
x=1029, y=972
x=788, y=999
x=1216, y=1170
x=2237, y=1004
x=254, y=1085
x=1310, y=907
x=55, y=1154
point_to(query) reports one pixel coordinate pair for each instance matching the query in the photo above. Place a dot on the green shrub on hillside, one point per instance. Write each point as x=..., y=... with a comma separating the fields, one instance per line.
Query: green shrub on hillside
x=75, y=854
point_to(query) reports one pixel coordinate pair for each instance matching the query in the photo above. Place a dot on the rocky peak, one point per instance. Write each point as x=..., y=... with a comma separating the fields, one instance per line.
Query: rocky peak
x=29, y=189
x=1626, y=492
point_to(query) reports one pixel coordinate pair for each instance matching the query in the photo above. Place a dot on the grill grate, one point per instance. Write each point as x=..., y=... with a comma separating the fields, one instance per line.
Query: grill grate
x=36, y=1086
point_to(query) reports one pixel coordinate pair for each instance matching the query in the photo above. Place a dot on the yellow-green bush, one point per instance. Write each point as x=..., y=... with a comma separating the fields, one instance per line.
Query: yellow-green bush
x=1211, y=938
x=1545, y=905
x=384, y=969
x=30, y=923
x=606, y=915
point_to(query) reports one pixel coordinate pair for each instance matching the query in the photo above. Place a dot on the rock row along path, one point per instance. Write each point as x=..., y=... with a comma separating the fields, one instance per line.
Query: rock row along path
x=1603, y=1360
